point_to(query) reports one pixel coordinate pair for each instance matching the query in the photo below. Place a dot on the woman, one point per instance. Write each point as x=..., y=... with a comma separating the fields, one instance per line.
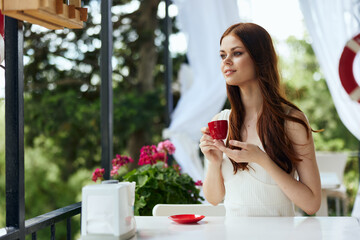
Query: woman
x=267, y=163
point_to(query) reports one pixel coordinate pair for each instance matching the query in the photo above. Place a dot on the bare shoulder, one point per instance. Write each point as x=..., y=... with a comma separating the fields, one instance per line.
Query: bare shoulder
x=295, y=129
x=298, y=114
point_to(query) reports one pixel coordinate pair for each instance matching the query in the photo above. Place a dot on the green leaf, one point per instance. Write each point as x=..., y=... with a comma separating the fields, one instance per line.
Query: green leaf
x=142, y=179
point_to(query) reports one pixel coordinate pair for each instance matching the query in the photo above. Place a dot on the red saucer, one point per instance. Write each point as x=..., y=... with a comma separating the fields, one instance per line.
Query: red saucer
x=186, y=218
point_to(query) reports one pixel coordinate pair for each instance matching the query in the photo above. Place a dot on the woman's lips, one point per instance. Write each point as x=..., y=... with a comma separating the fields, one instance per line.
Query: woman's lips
x=229, y=72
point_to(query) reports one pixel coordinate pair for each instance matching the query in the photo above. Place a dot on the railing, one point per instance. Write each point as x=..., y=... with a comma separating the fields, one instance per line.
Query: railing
x=32, y=226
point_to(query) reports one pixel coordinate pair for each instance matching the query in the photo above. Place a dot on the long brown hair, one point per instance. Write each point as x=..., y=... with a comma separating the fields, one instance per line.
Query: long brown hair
x=271, y=122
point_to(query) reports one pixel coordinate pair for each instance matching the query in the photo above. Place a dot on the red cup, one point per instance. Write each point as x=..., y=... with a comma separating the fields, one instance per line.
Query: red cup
x=218, y=129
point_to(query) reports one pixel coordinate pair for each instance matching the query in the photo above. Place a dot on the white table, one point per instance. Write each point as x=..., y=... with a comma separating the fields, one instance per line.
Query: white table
x=229, y=228
x=329, y=180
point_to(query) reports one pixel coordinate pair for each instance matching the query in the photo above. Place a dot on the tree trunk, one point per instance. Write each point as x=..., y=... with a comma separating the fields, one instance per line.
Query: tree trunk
x=136, y=141
x=145, y=24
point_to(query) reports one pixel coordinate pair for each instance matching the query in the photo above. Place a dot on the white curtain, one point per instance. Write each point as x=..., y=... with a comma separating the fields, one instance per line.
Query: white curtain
x=203, y=22
x=331, y=23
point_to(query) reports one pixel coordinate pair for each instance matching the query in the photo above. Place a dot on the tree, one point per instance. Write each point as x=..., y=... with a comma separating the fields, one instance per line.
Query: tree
x=62, y=81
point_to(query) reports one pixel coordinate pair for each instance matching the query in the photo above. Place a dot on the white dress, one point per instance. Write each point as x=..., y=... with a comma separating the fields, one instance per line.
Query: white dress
x=253, y=192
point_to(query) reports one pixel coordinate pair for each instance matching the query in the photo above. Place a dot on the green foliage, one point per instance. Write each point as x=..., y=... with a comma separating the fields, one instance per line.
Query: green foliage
x=62, y=84
x=65, y=122
x=42, y=183
x=45, y=191
x=160, y=184
x=351, y=180
x=62, y=88
x=133, y=111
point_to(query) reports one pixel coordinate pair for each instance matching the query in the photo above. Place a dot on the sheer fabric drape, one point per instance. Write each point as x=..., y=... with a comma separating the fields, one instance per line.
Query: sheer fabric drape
x=330, y=25
x=203, y=22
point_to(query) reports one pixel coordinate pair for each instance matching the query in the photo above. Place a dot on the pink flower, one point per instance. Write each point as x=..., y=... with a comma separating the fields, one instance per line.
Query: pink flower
x=166, y=146
x=98, y=174
x=144, y=160
x=147, y=155
x=159, y=156
x=121, y=160
x=114, y=170
x=198, y=183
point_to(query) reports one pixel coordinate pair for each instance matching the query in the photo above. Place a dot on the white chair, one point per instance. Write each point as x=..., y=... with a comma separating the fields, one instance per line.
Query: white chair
x=334, y=162
x=201, y=209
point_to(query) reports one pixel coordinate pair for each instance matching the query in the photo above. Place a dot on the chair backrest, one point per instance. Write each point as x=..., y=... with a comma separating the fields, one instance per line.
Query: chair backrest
x=332, y=162
x=201, y=209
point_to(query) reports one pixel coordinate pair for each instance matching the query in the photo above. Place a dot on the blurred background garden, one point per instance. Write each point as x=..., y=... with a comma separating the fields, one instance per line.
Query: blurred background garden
x=62, y=101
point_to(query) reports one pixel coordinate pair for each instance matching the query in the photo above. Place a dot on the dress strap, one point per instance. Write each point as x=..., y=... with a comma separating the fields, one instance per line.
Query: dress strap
x=224, y=114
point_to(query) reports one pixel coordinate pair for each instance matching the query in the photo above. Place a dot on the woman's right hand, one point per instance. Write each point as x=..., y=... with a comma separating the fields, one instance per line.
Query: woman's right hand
x=211, y=152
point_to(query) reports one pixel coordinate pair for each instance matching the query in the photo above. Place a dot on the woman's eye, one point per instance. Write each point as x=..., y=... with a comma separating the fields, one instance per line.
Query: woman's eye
x=222, y=56
x=237, y=53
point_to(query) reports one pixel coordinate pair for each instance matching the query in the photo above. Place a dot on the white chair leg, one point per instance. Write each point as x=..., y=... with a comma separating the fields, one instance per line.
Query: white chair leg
x=337, y=206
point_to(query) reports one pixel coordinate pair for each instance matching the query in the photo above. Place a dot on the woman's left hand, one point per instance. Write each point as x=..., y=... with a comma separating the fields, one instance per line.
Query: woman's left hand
x=248, y=153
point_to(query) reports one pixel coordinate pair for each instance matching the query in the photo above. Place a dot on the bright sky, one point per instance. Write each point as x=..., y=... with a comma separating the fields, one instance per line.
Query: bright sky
x=281, y=18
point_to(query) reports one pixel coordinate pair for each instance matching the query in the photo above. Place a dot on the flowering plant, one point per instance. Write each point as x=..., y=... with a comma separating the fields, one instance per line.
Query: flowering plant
x=156, y=182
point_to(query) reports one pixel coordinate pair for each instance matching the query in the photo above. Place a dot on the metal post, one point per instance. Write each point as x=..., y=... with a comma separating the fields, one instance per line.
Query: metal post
x=68, y=229
x=106, y=87
x=168, y=65
x=14, y=126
